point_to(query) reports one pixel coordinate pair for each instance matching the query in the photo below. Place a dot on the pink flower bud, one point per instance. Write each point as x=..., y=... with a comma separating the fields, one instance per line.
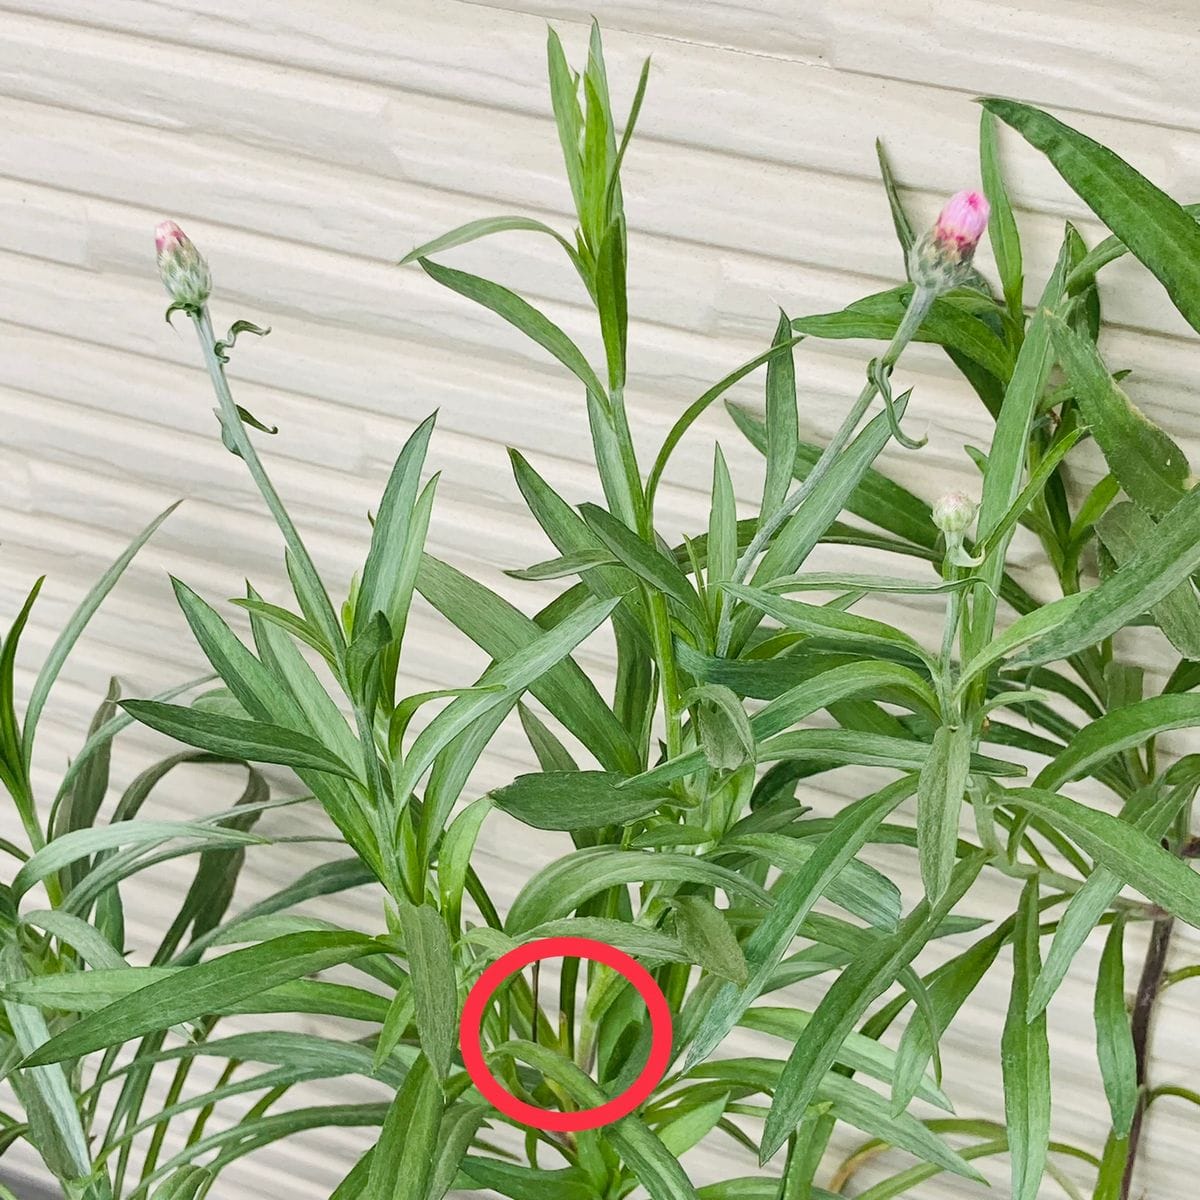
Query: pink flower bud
x=940, y=258
x=184, y=272
x=954, y=512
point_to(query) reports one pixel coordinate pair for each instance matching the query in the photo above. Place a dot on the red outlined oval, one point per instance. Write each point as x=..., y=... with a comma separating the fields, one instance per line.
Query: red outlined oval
x=588, y=1118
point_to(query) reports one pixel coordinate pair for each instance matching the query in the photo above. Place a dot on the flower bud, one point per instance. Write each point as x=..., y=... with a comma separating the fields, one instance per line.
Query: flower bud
x=953, y=513
x=184, y=272
x=940, y=257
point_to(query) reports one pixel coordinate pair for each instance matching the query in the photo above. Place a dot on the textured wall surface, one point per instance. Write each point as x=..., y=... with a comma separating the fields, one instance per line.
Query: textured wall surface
x=307, y=144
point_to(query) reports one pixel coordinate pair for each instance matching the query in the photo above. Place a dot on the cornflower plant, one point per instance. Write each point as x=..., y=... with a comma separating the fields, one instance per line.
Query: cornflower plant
x=63, y=916
x=689, y=846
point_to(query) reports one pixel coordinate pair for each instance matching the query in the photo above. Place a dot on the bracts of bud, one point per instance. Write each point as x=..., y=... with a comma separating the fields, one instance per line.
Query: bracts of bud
x=184, y=271
x=941, y=257
x=954, y=514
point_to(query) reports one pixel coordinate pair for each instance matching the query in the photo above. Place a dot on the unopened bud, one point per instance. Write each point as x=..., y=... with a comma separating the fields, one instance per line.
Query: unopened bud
x=954, y=512
x=184, y=272
x=940, y=257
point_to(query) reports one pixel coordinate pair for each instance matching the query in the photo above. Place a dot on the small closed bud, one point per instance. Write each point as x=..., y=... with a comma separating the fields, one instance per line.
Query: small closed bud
x=954, y=513
x=940, y=257
x=184, y=272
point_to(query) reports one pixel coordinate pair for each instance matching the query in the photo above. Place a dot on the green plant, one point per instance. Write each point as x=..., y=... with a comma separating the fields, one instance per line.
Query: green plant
x=689, y=794
x=62, y=911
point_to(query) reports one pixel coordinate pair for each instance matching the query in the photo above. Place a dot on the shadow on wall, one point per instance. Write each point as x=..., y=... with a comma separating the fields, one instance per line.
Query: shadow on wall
x=25, y=1188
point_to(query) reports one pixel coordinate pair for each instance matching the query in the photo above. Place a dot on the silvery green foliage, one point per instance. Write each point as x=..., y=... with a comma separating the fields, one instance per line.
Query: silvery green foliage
x=742, y=673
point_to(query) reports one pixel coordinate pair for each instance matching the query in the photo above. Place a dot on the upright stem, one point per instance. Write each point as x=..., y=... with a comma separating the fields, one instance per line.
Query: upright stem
x=918, y=308
x=660, y=620
x=319, y=608
x=235, y=430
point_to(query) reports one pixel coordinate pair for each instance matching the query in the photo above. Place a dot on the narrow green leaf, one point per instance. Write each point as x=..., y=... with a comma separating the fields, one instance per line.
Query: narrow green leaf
x=1152, y=225
x=1009, y=451
x=403, y=1159
x=501, y=630
x=905, y=234
x=878, y=317
x=573, y=800
x=205, y=988
x=560, y=888
x=80, y=843
x=187, y=1183
x=846, y=1002
x=949, y=988
x=390, y=569
x=1114, y=1037
x=939, y=804
x=722, y=544
x=1002, y=225
x=1149, y=465
x=435, y=992
x=705, y=933
x=656, y=1168
x=257, y=741
x=1122, y=729
x=504, y=682
x=794, y=899
x=782, y=424
x=1126, y=851
x=485, y=227
x=875, y=498
x=1145, y=579
x=66, y=640
x=699, y=406
x=521, y=314
x=647, y=562
x=1123, y=530
x=1025, y=1057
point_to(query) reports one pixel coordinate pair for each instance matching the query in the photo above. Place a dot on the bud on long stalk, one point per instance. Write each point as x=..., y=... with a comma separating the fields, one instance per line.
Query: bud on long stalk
x=938, y=261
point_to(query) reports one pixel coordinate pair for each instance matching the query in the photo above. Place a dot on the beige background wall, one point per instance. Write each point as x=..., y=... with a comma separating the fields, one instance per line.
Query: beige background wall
x=307, y=144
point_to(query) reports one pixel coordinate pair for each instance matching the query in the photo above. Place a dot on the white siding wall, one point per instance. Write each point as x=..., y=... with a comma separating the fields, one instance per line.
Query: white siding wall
x=307, y=144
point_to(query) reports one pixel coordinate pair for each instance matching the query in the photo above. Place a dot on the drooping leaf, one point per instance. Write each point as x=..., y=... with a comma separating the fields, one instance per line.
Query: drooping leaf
x=204, y=988
x=1153, y=226
x=257, y=741
x=846, y=1001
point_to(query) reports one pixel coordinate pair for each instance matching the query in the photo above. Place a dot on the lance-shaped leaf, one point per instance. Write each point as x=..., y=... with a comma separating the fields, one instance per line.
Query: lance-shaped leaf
x=520, y=313
x=1025, y=1058
x=435, y=994
x=1123, y=529
x=501, y=630
x=504, y=682
x=845, y=1003
x=1114, y=1035
x=205, y=988
x=257, y=741
x=939, y=803
x=573, y=800
x=1153, y=226
x=1146, y=579
x=1125, y=850
x=771, y=939
x=1148, y=464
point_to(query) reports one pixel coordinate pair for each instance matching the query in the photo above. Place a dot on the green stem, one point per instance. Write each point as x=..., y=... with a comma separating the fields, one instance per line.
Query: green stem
x=656, y=604
x=320, y=607
x=235, y=431
x=160, y=1130
x=918, y=309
